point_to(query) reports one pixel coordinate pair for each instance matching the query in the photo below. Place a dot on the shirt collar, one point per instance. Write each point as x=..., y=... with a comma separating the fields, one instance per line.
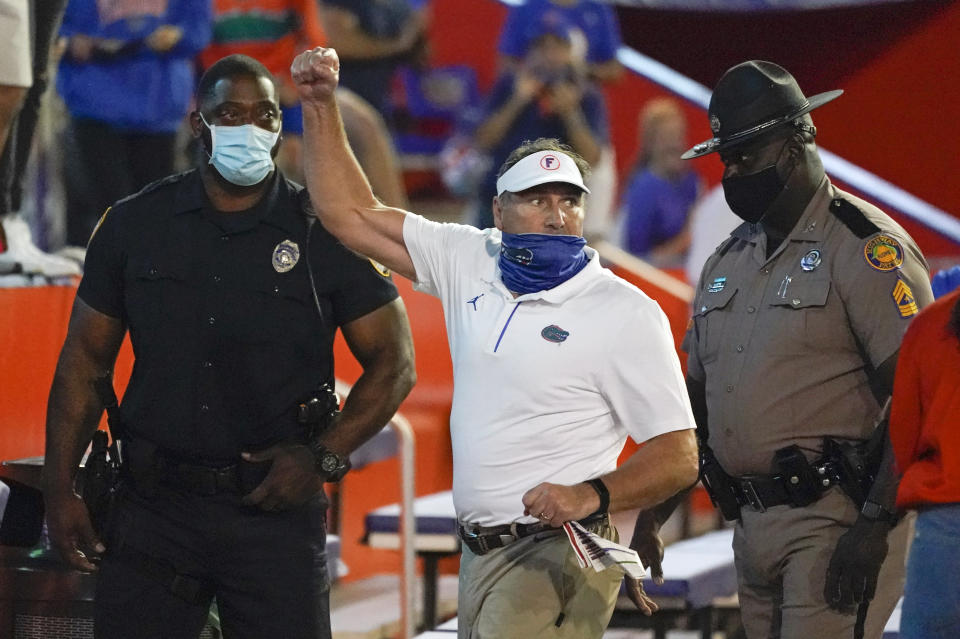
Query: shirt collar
x=279, y=206
x=809, y=228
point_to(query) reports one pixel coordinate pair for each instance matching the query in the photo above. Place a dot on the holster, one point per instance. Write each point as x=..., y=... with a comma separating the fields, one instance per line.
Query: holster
x=856, y=471
x=800, y=479
x=99, y=481
x=319, y=410
x=719, y=485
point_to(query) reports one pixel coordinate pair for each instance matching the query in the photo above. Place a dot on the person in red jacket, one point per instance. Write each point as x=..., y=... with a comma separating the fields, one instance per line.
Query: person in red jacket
x=926, y=441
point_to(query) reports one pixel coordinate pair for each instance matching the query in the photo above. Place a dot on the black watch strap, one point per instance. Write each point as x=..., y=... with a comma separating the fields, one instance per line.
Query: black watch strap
x=875, y=512
x=597, y=484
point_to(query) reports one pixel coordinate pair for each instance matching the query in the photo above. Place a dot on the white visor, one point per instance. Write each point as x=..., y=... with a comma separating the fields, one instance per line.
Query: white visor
x=540, y=168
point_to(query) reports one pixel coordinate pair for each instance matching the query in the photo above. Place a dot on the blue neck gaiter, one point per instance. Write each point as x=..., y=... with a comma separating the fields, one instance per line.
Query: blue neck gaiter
x=532, y=262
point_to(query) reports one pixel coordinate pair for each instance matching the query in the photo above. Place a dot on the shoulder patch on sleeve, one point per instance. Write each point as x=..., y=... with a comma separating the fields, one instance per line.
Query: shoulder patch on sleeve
x=379, y=268
x=853, y=218
x=883, y=253
x=99, y=223
x=903, y=296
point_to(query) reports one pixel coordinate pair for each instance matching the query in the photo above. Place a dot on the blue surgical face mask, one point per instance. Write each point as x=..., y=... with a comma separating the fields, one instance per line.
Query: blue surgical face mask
x=532, y=262
x=241, y=154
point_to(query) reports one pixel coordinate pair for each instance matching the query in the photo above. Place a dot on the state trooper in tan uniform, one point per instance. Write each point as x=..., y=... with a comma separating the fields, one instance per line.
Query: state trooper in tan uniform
x=798, y=318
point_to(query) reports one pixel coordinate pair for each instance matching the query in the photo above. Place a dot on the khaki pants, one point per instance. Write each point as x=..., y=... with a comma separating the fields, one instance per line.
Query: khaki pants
x=782, y=556
x=534, y=587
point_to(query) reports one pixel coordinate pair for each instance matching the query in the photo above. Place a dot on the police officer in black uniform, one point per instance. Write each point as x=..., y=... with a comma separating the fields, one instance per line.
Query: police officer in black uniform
x=232, y=300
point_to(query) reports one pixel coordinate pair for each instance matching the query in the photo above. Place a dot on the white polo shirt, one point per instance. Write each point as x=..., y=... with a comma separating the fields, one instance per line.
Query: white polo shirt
x=548, y=385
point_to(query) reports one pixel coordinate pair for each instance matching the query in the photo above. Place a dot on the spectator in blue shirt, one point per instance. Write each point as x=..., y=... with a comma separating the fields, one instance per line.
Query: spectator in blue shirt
x=127, y=79
x=661, y=189
x=595, y=22
x=546, y=96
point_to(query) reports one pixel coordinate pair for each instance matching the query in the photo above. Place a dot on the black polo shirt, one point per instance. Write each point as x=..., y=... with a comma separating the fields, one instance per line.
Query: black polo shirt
x=226, y=334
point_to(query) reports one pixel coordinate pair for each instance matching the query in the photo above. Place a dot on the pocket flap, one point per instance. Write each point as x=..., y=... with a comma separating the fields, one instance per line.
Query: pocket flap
x=713, y=301
x=803, y=294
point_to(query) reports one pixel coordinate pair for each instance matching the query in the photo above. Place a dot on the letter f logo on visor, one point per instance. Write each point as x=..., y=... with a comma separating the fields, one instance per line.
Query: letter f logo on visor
x=241, y=154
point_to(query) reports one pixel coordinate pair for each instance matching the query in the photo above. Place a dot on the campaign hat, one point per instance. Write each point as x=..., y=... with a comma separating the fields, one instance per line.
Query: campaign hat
x=752, y=98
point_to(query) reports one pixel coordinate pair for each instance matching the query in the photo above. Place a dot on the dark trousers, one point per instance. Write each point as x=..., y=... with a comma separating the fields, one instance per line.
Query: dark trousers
x=46, y=16
x=267, y=571
x=104, y=164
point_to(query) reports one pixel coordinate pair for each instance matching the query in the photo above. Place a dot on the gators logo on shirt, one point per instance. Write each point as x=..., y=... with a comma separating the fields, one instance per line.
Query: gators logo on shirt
x=883, y=253
x=554, y=333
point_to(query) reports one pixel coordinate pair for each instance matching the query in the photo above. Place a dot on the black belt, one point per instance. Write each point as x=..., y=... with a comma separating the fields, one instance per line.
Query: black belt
x=482, y=539
x=238, y=479
x=761, y=492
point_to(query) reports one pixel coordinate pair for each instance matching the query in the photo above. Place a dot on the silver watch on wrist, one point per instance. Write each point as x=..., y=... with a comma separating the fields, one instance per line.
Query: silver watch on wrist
x=328, y=463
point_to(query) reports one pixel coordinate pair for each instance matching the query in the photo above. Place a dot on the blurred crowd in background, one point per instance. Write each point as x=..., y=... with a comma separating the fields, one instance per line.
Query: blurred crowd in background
x=124, y=73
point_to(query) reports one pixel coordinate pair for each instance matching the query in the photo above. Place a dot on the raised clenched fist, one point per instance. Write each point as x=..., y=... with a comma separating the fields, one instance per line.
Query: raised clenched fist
x=316, y=73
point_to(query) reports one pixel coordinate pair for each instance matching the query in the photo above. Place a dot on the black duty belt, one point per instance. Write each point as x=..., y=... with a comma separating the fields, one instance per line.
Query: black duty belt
x=761, y=492
x=482, y=539
x=239, y=478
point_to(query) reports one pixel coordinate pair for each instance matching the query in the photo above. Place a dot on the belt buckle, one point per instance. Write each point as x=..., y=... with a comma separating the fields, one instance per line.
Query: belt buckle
x=470, y=538
x=749, y=493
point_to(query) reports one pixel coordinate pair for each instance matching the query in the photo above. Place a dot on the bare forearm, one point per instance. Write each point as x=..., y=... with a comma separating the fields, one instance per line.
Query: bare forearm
x=371, y=404
x=73, y=407
x=334, y=177
x=654, y=474
x=73, y=412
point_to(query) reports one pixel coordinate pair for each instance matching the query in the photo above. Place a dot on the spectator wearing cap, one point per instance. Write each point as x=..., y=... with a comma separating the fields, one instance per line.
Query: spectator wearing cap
x=596, y=25
x=662, y=188
x=547, y=96
x=556, y=361
x=797, y=325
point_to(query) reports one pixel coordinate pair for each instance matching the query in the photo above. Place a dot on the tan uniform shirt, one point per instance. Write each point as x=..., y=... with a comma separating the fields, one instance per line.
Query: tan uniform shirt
x=784, y=344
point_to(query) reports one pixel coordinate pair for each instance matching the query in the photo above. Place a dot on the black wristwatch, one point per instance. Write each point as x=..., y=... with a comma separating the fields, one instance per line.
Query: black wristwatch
x=328, y=463
x=875, y=512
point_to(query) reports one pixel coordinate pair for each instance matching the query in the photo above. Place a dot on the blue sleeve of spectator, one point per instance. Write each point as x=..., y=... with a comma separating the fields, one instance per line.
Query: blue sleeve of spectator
x=638, y=207
x=511, y=35
x=605, y=40
x=79, y=17
x=195, y=17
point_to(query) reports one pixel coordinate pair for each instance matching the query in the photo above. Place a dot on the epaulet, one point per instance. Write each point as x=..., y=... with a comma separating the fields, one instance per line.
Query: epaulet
x=853, y=218
x=155, y=185
x=725, y=246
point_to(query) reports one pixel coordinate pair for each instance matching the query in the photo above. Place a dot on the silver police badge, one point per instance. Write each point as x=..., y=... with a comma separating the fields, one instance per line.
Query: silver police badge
x=811, y=260
x=715, y=124
x=285, y=256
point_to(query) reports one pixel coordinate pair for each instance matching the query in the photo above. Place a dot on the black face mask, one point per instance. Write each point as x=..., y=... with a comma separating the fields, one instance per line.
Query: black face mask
x=750, y=196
